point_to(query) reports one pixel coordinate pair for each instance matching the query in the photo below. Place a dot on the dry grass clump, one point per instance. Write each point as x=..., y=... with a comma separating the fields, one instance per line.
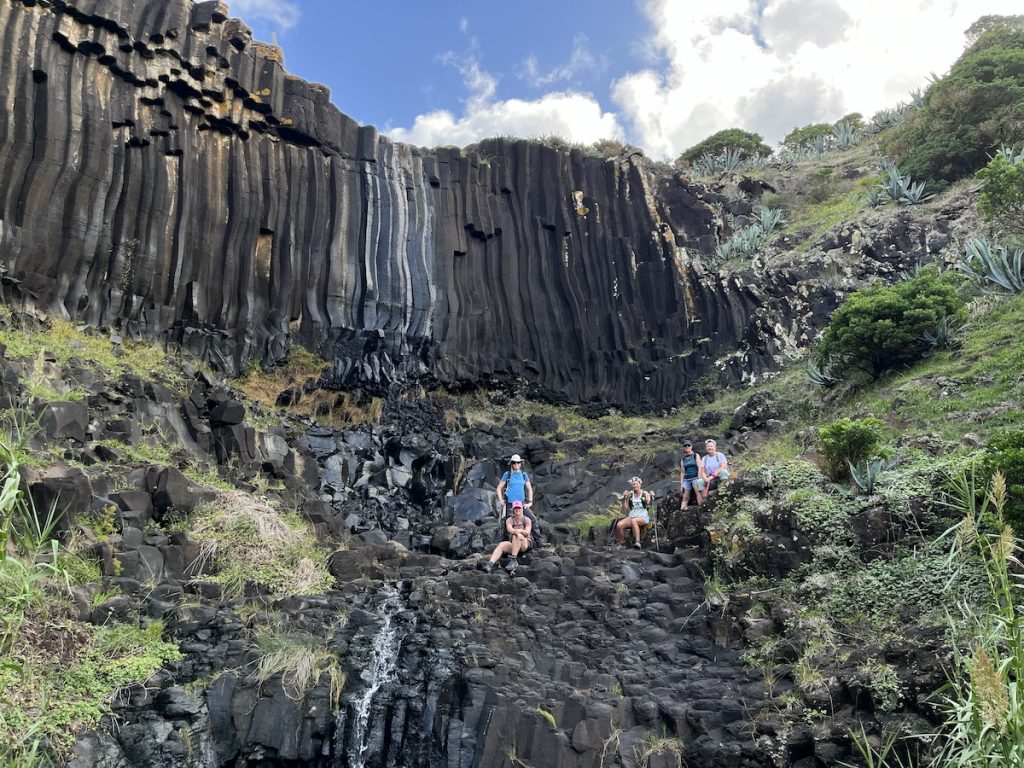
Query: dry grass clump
x=300, y=658
x=333, y=409
x=299, y=366
x=248, y=543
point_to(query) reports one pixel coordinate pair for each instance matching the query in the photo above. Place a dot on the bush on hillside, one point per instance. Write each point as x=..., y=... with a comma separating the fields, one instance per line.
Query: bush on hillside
x=854, y=119
x=1006, y=454
x=882, y=327
x=991, y=22
x=968, y=114
x=800, y=137
x=1001, y=202
x=845, y=442
x=748, y=144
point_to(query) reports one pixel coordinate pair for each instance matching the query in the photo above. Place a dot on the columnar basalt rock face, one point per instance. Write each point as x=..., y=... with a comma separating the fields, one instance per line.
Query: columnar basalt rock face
x=162, y=171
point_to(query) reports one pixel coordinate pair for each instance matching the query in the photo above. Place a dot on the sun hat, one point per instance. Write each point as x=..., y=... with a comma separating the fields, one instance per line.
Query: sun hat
x=516, y=458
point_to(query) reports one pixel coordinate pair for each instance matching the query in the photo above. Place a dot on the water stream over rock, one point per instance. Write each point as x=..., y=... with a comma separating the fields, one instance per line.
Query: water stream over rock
x=380, y=672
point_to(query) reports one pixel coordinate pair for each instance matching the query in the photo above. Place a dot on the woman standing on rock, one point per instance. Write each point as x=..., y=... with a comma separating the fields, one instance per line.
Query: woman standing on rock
x=519, y=528
x=515, y=484
x=691, y=475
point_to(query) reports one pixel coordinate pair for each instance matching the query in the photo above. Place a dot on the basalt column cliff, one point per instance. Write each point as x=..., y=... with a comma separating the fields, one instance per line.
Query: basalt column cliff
x=161, y=171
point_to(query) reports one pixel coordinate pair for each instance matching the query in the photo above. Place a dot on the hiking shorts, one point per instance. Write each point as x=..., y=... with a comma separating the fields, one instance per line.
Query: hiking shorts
x=642, y=516
x=693, y=482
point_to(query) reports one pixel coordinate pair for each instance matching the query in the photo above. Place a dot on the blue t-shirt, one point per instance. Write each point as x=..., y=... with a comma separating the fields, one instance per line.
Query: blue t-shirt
x=515, y=485
x=689, y=465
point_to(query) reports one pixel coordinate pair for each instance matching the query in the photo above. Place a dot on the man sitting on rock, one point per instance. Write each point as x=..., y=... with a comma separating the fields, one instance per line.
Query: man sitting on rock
x=518, y=528
x=635, y=503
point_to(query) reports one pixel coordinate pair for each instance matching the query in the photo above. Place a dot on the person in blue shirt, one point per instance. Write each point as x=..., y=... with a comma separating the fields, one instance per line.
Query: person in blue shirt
x=515, y=484
x=691, y=475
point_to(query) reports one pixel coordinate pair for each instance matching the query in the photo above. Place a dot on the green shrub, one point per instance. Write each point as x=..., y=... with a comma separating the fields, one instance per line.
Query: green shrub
x=968, y=114
x=1001, y=202
x=1005, y=454
x=799, y=137
x=883, y=327
x=747, y=143
x=848, y=441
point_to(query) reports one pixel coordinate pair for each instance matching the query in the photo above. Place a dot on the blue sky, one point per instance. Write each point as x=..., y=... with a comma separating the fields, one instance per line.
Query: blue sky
x=662, y=74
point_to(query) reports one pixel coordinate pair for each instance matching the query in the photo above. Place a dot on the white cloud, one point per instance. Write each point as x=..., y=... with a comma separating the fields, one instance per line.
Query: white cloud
x=281, y=14
x=581, y=61
x=575, y=116
x=772, y=65
x=480, y=83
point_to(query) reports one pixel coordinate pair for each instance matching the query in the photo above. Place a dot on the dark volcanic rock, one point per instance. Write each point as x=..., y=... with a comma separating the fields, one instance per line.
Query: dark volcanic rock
x=181, y=122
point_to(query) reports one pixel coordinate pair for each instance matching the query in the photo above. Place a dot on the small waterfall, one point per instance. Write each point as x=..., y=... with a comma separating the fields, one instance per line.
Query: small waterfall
x=384, y=662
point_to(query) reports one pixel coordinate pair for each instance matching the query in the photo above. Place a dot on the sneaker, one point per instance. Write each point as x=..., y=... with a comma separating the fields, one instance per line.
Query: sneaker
x=487, y=566
x=637, y=545
x=512, y=564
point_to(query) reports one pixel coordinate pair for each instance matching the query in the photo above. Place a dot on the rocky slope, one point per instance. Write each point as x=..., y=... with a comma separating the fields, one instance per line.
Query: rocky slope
x=591, y=655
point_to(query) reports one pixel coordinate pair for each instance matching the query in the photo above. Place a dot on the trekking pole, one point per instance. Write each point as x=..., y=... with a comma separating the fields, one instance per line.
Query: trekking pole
x=654, y=516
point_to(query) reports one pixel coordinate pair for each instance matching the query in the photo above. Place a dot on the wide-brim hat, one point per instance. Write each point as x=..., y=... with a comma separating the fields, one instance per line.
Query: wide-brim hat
x=515, y=458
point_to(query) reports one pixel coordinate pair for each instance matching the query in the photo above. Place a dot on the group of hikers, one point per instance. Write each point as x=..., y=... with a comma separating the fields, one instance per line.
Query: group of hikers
x=698, y=476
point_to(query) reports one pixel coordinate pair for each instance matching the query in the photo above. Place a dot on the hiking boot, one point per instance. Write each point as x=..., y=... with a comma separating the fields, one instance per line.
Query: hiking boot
x=486, y=566
x=512, y=564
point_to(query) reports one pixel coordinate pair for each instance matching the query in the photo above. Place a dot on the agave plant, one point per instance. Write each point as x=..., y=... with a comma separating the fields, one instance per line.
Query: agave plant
x=748, y=240
x=724, y=252
x=899, y=188
x=875, y=198
x=1007, y=154
x=888, y=118
x=820, y=145
x=727, y=161
x=823, y=376
x=945, y=335
x=846, y=135
x=913, y=193
x=865, y=474
x=768, y=218
x=756, y=161
x=994, y=264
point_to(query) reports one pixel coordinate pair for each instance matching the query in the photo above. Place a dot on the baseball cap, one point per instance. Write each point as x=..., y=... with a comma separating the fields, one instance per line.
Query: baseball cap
x=687, y=442
x=516, y=504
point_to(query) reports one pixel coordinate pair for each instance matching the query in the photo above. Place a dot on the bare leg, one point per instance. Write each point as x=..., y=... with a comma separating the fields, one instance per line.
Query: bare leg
x=635, y=523
x=502, y=549
x=620, y=530
x=516, y=545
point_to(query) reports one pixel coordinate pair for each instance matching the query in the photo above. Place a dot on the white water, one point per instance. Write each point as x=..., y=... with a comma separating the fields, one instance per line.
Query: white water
x=384, y=663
